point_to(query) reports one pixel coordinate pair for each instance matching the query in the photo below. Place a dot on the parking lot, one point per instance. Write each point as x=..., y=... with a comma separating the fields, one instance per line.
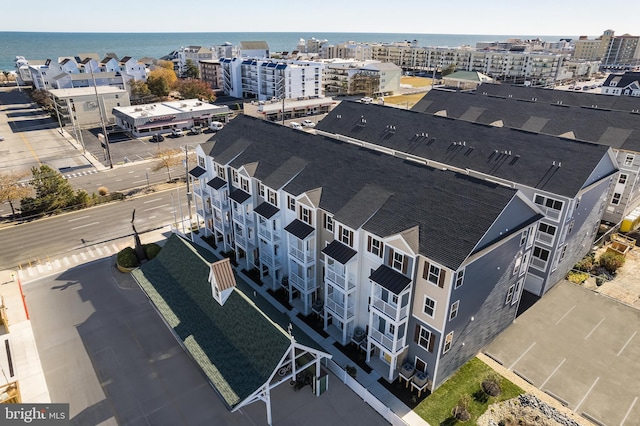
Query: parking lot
x=581, y=348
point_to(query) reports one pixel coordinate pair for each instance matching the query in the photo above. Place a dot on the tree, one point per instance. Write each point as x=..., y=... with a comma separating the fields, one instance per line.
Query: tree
x=42, y=98
x=166, y=65
x=11, y=190
x=191, y=89
x=191, y=70
x=449, y=70
x=168, y=158
x=52, y=192
x=160, y=81
x=139, y=90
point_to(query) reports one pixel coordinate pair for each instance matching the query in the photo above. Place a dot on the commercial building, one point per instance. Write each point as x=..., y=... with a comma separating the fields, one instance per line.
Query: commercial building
x=85, y=107
x=616, y=53
x=163, y=117
x=293, y=108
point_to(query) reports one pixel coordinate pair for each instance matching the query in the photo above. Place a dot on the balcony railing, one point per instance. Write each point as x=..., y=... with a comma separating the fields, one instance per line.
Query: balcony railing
x=539, y=263
x=337, y=309
x=305, y=285
x=544, y=237
x=206, y=213
x=242, y=218
x=244, y=242
x=304, y=256
x=395, y=313
x=388, y=342
x=269, y=259
x=267, y=233
x=220, y=202
x=339, y=280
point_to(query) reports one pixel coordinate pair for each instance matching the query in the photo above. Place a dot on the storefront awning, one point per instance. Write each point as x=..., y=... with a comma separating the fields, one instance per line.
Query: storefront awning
x=161, y=124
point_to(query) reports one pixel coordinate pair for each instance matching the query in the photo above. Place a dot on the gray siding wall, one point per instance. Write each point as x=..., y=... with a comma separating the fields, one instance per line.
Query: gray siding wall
x=482, y=296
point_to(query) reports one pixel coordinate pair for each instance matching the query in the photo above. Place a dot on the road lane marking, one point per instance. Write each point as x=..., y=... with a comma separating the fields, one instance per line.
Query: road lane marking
x=625, y=345
x=115, y=248
x=84, y=226
x=566, y=313
x=139, y=181
x=594, y=329
x=66, y=261
x=523, y=354
x=83, y=256
x=156, y=207
x=587, y=394
x=629, y=411
x=153, y=201
x=99, y=251
x=107, y=249
x=75, y=258
x=33, y=153
x=78, y=218
x=552, y=373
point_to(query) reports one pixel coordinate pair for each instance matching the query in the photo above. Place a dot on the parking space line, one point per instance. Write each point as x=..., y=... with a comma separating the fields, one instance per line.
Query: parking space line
x=523, y=354
x=566, y=313
x=594, y=329
x=629, y=411
x=555, y=370
x=586, y=394
x=625, y=345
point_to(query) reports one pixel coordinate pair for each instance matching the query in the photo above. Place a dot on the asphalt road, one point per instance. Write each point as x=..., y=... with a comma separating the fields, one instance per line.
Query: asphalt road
x=56, y=235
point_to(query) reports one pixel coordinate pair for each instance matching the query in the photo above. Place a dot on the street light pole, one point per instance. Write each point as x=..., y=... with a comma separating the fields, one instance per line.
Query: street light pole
x=104, y=129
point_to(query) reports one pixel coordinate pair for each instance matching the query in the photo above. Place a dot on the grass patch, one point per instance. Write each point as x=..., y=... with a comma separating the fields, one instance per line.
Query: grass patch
x=404, y=100
x=436, y=409
x=416, y=81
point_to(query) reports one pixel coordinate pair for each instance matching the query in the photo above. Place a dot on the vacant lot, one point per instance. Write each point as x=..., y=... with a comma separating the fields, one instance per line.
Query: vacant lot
x=416, y=81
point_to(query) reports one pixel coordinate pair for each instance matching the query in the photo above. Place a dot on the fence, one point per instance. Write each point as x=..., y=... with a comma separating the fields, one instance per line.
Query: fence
x=366, y=396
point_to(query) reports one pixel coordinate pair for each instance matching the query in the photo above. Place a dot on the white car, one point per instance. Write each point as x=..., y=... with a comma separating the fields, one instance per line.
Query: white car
x=215, y=126
x=308, y=123
x=177, y=133
x=366, y=100
x=295, y=125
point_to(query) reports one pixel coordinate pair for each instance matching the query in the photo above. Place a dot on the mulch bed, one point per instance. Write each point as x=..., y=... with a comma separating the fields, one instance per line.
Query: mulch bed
x=355, y=354
x=315, y=322
x=410, y=399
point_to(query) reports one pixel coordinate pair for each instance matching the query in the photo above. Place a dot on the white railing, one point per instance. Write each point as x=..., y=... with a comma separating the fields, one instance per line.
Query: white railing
x=269, y=259
x=544, y=237
x=267, y=233
x=395, y=313
x=243, y=242
x=302, y=255
x=339, y=280
x=206, y=213
x=549, y=212
x=538, y=263
x=338, y=309
x=302, y=284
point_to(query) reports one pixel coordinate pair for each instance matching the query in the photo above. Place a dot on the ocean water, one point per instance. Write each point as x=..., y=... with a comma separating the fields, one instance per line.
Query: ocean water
x=35, y=45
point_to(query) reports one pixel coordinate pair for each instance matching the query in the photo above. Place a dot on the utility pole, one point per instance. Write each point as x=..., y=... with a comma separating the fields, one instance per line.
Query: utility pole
x=186, y=172
x=104, y=129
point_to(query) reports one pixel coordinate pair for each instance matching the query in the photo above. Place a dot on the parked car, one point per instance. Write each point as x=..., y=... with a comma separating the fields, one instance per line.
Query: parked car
x=215, y=126
x=157, y=138
x=594, y=86
x=177, y=133
x=308, y=123
x=295, y=125
x=195, y=130
x=366, y=100
x=577, y=88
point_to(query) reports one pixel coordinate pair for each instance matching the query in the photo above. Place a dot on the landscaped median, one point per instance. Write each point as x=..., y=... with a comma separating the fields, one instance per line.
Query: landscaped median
x=464, y=386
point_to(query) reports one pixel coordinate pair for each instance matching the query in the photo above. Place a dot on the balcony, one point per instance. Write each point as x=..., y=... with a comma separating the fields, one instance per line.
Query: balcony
x=338, y=280
x=241, y=217
x=338, y=309
x=544, y=237
x=269, y=259
x=304, y=285
x=388, y=342
x=394, y=313
x=220, y=202
x=205, y=213
x=267, y=233
x=304, y=256
x=244, y=242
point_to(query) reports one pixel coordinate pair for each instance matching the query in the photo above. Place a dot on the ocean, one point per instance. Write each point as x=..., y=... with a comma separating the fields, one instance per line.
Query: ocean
x=36, y=45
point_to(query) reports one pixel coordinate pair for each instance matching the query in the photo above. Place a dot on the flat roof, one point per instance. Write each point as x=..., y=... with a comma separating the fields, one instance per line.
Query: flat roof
x=169, y=108
x=84, y=91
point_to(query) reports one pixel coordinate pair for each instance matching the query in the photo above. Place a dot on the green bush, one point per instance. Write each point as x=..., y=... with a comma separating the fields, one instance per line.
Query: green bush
x=151, y=250
x=601, y=279
x=611, y=261
x=127, y=258
x=577, y=277
x=587, y=263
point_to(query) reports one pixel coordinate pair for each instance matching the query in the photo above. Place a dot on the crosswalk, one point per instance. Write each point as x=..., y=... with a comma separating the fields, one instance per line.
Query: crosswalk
x=88, y=254
x=67, y=176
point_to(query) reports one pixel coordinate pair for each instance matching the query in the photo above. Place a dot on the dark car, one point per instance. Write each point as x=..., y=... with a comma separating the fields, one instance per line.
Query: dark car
x=157, y=138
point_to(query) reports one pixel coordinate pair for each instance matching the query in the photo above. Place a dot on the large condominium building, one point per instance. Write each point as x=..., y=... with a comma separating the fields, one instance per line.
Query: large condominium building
x=615, y=52
x=367, y=78
x=568, y=179
x=418, y=265
x=411, y=235
x=195, y=54
x=264, y=79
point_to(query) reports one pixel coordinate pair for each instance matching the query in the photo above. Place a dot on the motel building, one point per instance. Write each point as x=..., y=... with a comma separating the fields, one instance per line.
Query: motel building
x=163, y=117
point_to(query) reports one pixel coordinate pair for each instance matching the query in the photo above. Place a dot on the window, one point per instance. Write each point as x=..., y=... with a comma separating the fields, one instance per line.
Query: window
x=201, y=161
x=540, y=257
x=523, y=237
x=272, y=197
x=291, y=203
x=459, y=278
x=262, y=191
x=234, y=176
x=244, y=184
x=433, y=274
x=516, y=292
x=516, y=267
x=615, y=200
x=628, y=161
x=374, y=246
x=563, y=251
x=448, y=340
x=429, y=306
x=398, y=261
x=304, y=214
x=221, y=173
x=570, y=228
x=547, y=229
x=622, y=179
x=424, y=338
x=454, y=310
x=328, y=223
x=345, y=236
x=548, y=202
x=509, y=295
x=392, y=329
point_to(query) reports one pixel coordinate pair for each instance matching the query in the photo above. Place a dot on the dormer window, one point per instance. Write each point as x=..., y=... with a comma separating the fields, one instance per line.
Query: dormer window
x=304, y=214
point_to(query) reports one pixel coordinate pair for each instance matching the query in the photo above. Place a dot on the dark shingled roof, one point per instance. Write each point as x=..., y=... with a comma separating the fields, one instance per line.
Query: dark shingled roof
x=617, y=129
x=236, y=345
x=390, y=279
x=299, y=229
x=197, y=171
x=266, y=210
x=452, y=211
x=239, y=196
x=522, y=157
x=340, y=252
x=217, y=183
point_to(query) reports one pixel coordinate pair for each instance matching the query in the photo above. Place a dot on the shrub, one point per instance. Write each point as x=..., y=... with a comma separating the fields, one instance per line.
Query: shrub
x=491, y=385
x=587, y=263
x=461, y=411
x=577, y=277
x=351, y=370
x=151, y=250
x=103, y=191
x=127, y=258
x=611, y=261
x=601, y=279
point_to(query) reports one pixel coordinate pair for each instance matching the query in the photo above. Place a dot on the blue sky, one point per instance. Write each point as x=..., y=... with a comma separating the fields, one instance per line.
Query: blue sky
x=541, y=17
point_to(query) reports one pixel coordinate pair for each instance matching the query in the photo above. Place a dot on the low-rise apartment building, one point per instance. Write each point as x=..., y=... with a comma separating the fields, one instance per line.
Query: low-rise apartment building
x=569, y=180
x=417, y=264
x=627, y=84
